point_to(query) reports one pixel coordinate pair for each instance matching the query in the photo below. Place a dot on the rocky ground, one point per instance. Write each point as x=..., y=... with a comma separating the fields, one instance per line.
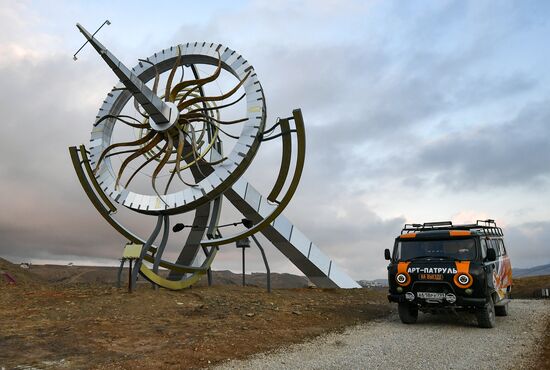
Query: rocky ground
x=435, y=342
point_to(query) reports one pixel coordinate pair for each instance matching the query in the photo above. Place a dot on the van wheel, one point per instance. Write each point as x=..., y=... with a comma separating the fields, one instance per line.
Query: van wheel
x=407, y=313
x=501, y=310
x=486, y=315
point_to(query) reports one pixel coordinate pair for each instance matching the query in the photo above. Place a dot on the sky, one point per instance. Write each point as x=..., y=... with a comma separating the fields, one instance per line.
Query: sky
x=415, y=111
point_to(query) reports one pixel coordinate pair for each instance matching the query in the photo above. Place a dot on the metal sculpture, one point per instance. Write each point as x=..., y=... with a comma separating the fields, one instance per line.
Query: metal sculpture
x=179, y=135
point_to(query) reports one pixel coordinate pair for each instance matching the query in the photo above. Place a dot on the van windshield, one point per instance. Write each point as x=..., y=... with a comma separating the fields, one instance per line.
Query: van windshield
x=459, y=249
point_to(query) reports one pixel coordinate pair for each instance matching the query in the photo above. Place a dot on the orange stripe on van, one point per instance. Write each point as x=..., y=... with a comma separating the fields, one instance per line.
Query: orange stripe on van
x=402, y=269
x=459, y=233
x=463, y=268
x=407, y=236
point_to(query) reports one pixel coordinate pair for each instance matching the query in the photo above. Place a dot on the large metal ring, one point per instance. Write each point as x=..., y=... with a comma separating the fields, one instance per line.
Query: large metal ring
x=225, y=173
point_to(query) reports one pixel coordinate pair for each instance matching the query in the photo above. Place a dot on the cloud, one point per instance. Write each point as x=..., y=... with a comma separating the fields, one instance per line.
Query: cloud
x=347, y=230
x=397, y=98
x=495, y=155
x=528, y=243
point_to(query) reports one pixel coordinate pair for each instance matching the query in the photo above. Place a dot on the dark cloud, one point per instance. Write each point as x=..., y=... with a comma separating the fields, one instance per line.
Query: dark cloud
x=498, y=155
x=528, y=244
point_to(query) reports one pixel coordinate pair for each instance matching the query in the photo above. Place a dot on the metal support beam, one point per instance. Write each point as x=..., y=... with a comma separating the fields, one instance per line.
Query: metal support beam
x=119, y=273
x=288, y=239
x=148, y=243
x=267, y=270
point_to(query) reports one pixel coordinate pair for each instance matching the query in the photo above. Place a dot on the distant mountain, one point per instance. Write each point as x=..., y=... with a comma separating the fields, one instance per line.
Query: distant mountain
x=71, y=274
x=532, y=271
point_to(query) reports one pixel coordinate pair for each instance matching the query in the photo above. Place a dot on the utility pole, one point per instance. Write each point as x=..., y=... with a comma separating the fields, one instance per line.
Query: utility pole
x=243, y=243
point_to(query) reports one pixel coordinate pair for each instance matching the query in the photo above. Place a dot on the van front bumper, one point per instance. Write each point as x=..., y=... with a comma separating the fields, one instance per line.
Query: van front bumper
x=461, y=301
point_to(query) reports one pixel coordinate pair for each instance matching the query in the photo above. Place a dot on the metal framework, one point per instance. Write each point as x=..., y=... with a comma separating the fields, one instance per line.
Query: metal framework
x=180, y=133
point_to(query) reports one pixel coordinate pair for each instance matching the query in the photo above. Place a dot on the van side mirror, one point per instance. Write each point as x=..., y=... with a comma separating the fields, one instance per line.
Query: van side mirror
x=387, y=254
x=491, y=255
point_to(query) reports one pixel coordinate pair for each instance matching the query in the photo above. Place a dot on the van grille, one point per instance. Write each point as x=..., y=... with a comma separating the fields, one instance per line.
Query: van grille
x=436, y=287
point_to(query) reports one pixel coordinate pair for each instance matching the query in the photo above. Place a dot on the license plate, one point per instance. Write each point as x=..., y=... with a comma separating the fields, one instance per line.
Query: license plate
x=431, y=295
x=431, y=276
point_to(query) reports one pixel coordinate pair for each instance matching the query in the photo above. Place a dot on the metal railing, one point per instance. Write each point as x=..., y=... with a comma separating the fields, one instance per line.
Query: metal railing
x=487, y=227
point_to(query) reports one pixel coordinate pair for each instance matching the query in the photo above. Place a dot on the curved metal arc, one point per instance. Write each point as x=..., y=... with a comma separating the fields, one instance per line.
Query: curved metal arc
x=218, y=106
x=205, y=152
x=161, y=165
x=203, y=117
x=85, y=182
x=190, y=102
x=78, y=168
x=171, y=76
x=78, y=163
x=156, y=139
x=197, y=82
x=181, y=144
x=160, y=250
x=170, y=284
x=182, y=268
x=285, y=162
x=120, y=118
x=149, y=160
x=300, y=159
x=195, y=72
x=140, y=141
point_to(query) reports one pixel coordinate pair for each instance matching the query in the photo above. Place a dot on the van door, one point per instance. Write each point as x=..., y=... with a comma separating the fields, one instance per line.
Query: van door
x=505, y=270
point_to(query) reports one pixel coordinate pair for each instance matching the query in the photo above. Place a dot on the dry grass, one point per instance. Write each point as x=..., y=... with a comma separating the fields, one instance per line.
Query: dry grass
x=97, y=326
x=525, y=287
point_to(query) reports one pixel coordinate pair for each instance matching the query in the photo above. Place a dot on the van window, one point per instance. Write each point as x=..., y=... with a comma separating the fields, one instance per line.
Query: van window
x=496, y=243
x=502, y=248
x=483, y=248
x=493, y=245
x=460, y=249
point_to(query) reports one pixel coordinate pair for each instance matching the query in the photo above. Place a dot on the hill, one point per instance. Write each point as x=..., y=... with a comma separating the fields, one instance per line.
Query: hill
x=21, y=276
x=66, y=275
x=532, y=271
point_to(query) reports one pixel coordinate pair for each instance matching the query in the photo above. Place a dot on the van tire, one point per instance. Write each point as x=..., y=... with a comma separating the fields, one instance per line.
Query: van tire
x=501, y=310
x=486, y=315
x=407, y=313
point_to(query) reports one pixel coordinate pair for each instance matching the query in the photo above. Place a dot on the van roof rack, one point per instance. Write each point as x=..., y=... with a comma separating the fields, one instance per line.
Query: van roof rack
x=487, y=227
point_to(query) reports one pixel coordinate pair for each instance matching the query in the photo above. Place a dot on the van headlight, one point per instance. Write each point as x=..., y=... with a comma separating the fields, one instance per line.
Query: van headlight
x=401, y=278
x=463, y=279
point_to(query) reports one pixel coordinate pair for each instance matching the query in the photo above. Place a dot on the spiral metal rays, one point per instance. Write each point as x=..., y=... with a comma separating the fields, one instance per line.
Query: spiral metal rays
x=185, y=141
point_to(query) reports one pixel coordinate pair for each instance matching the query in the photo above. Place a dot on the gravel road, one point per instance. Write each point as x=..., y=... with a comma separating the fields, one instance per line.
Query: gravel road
x=435, y=342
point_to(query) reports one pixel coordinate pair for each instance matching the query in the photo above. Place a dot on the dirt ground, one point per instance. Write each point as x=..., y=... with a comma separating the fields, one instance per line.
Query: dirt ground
x=101, y=327
x=51, y=319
